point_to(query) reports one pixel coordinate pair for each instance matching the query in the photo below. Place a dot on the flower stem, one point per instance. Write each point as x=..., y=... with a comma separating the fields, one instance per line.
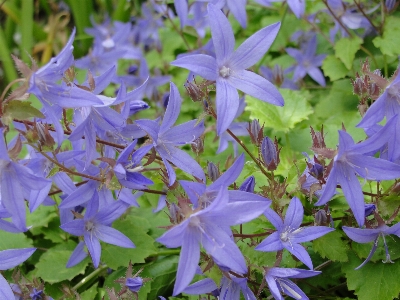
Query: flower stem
x=90, y=276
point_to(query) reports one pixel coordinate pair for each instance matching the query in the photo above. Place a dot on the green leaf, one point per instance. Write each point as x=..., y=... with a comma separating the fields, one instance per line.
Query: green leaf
x=22, y=110
x=390, y=40
x=295, y=110
x=372, y=281
x=41, y=217
x=51, y=266
x=90, y=293
x=331, y=246
x=13, y=241
x=334, y=68
x=346, y=49
x=163, y=273
x=115, y=256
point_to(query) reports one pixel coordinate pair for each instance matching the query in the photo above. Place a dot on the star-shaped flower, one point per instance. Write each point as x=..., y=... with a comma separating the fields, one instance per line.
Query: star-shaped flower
x=289, y=233
x=228, y=68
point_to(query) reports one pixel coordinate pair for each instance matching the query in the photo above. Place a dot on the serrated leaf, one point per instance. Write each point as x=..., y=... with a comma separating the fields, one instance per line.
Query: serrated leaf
x=346, y=49
x=390, y=40
x=51, y=266
x=374, y=280
x=22, y=110
x=334, y=68
x=116, y=257
x=40, y=217
x=331, y=246
x=295, y=110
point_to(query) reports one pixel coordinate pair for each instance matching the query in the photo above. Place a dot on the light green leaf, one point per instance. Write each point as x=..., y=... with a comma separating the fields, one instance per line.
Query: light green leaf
x=51, y=266
x=334, y=68
x=390, y=40
x=115, y=256
x=346, y=49
x=374, y=280
x=22, y=110
x=331, y=246
x=295, y=110
x=90, y=293
x=13, y=241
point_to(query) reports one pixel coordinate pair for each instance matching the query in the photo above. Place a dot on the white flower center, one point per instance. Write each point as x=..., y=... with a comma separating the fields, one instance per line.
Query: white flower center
x=224, y=72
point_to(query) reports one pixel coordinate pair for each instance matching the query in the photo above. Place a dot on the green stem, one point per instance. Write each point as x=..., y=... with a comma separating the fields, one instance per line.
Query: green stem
x=90, y=276
x=166, y=253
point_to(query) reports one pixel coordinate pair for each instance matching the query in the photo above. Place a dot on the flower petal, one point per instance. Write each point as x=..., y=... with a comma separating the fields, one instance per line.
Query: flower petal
x=227, y=102
x=173, y=109
x=13, y=257
x=112, y=236
x=254, y=48
x=294, y=214
x=256, y=86
x=93, y=245
x=201, y=64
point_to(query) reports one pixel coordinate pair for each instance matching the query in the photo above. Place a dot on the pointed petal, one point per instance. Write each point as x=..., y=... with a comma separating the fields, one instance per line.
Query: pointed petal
x=181, y=7
x=294, y=214
x=13, y=257
x=201, y=287
x=270, y=244
x=221, y=33
x=173, y=237
x=5, y=289
x=112, y=236
x=371, y=253
x=173, y=109
x=150, y=127
x=193, y=190
x=182, y=160
x=372, y=168
x=109, y=214
x=170, y=171
x=77, y=255
x=306, y=234
x=273, y=287
x=301, y=253
x=256, y=86
x=184, y=133
x=361, y=235
x=254, y=48
x=75, y=227
x=93, y=245
x=317, y=75
x=330, y=187
x=238, y=9
x=236, y=195
x=230, y=175
x=352, y=191
x=274, y=218
x=188, y=260
x=81, y=195
x=201, y=64
x=298, y=7
x=227, y=102
x=375, y=113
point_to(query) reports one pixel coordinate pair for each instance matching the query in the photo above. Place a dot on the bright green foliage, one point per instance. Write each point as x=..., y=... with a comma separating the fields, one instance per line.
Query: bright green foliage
x=390, y=41
x=116, y=257
x=374, y=280
x=13, y=241
x=331, y=246
x=51, y=266
x=334, y=68
x=346, y=49
x=295, y=110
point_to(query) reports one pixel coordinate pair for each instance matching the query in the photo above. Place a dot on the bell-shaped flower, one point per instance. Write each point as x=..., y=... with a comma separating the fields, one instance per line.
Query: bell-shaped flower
x=228, y=68
x=209, y=227
x=165, y=138
x=289, y=233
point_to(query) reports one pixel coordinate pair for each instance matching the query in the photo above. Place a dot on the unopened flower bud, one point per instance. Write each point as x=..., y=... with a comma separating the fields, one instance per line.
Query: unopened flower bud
x=195, y=93
x=269, y=153
x=198, y=145
x=256, y=132
x=134, y=284
x=369, y=209
x=317, y=171
x=248, y=185
x=174, y=212
x=321, y=219
x=213, y=172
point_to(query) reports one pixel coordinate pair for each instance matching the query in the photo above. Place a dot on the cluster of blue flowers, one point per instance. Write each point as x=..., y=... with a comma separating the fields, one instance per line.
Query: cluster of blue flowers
x=109, y=144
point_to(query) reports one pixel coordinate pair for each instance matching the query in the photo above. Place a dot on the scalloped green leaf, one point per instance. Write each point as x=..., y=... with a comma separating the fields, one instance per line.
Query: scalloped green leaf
x=295, y=110
x=389, y=42
x=13, y=240
x=116, y=257
x=346, y=49
x=51, y=266
x=331, y=246
x=334, y=68
x=374, y=280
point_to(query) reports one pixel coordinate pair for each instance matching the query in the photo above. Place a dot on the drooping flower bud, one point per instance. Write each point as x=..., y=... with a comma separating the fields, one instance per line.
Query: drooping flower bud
x=270, y=153
x=248, y=185
x=198, y=145
x=317, y=171
x=213, y=172
x=194, y=91
x=321, y=218
x=369, y=209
